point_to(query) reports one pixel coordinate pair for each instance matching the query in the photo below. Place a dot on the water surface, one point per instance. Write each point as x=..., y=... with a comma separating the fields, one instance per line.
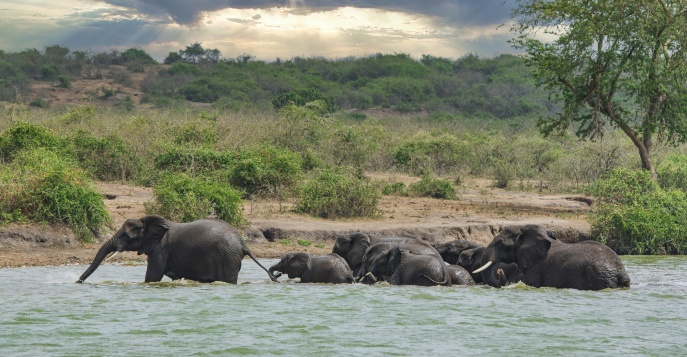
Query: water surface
x=44, y=313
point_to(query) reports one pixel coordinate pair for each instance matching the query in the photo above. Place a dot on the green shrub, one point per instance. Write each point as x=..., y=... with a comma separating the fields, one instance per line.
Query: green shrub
x=396, y=188
x=634, y=215
x=672, y=172
x=107, y=158
x=304, y=242
x=23, y=135
x=182, y=198
x=338, y=193
x=301, y=97
x=426, y=153
x=77, y=115
x=433, y=187
x=267, y=171
x=64, y=81
x=193, y=160
x=41, y=186
x=39, y=102
x=192, y=134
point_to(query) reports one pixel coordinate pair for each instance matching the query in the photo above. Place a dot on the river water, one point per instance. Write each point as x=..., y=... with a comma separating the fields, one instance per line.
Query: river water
x=44, y=313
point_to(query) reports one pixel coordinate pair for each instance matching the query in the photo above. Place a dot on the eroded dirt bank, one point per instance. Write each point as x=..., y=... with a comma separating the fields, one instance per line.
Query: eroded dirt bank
x=480, y=214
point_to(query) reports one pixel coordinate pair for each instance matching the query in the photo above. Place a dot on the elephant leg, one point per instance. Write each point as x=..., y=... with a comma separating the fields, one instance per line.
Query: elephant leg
x=157, y=266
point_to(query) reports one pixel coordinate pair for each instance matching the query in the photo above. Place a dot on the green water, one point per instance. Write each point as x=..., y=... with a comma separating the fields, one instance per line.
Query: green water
x=45, y=314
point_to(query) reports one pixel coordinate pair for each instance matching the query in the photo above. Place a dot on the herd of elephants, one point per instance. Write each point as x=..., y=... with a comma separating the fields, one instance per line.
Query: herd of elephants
x=209, y=250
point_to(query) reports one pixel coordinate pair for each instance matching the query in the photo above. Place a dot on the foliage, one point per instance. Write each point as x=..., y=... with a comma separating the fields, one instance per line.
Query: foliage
x=41, y=186
x=304, y=242
x=183, y=198
x=193, y=161
x=635, y=216
x=107, y=158
x=396, y=188
x=433, y=187
x=672, y=172
x=25, y=136
x=267, y=171
x=612, y=64
x=39, y=102
x=338, y=193
x=301, y=97
x=426, y=153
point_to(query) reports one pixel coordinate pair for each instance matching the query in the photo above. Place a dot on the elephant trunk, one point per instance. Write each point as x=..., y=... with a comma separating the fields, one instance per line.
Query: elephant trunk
x=104, y=251
x=274, y=268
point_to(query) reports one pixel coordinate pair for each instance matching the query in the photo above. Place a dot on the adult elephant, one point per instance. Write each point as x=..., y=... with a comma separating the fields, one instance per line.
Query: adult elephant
x=205, y=250
x=327, y=268
x=450, y=251
x=373, y=251
x=352, y=247
x=399, y=267
x=543, y=261
x=498, y=274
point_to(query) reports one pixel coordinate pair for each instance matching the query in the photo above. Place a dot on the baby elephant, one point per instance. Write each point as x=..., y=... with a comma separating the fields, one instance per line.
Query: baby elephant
x=328, y=268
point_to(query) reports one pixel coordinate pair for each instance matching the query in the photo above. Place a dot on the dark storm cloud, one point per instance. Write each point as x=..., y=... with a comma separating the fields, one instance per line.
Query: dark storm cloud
x=104, y=34
x=457, y=12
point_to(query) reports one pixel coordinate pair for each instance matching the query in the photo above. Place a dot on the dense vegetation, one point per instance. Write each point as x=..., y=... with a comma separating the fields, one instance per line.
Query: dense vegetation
x=283, y=130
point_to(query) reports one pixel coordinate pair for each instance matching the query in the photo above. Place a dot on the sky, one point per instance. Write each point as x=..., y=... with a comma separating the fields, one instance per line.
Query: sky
x=264, y=29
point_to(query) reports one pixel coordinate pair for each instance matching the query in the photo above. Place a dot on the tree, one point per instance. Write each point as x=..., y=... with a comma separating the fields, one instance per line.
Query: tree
x=613, y=63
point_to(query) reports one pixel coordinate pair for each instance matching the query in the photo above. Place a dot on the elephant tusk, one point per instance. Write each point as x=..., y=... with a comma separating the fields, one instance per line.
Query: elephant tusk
x=483, y=268
x=110, y=256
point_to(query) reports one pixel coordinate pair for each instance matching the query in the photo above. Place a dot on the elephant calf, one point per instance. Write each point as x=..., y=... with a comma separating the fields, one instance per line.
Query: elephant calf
x=329, y=268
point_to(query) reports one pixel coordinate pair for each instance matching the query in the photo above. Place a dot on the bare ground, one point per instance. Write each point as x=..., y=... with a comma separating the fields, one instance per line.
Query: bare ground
x=274, y=229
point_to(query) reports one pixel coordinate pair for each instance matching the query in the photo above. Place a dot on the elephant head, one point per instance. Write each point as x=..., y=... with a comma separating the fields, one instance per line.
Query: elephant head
x=293, y=264
x=385, y=263
x=450, y=251
x=352, y=248
x=525, y=246
x=140, y=235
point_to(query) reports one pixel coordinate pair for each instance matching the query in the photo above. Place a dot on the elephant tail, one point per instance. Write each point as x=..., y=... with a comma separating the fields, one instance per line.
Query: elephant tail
x=445, y=282
x=247, y=252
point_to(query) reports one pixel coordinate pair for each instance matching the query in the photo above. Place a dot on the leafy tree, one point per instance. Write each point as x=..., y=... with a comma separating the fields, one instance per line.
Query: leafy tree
x=613, y=64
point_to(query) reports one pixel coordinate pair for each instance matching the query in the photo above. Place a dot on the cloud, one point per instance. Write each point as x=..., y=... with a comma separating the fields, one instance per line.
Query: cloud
x=465, y=12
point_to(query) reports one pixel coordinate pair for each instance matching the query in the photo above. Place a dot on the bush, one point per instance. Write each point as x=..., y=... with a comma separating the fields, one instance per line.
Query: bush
x=672, y=172
x=25, y=135
x=182, y=198
x=267, y=171
x=396, y=188
x=435, y=188
x=426, y=153
x=39, y=102
x=301, y=97
x=337, y=193
x=40, y=186
x=635, y=216
x=193, y=160
x=107, y=158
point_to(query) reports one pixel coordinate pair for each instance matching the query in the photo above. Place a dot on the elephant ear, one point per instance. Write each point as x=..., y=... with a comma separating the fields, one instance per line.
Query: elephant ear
x=360, y=240
x=531, y=247
x=394, y=259
x=154, y=228
x=296, y=264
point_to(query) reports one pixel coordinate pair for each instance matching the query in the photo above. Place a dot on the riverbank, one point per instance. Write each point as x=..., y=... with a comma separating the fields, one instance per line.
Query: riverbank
x=274, y=230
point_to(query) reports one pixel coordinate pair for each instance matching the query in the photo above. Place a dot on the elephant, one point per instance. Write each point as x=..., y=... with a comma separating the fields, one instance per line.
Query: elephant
x=405, y=268
x=327, y=268
x=547, y=262
x=450, y=251
x=373, y=251
x=499, y=274
x=352, y=247
x=205, y=250
x=459, y=275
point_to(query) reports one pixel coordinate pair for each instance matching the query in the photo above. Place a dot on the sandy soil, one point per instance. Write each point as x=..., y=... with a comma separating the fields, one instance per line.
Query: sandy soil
x=274, y=229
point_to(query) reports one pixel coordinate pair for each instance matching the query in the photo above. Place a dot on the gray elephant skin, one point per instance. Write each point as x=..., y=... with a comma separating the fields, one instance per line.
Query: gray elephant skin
x=328, y=268
x=405, y=268
x=450, y=251
x=373, y=251
x=498, y=274
x=459, y=275
x=352, y=247
x=546, y=262
x=205, y=250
